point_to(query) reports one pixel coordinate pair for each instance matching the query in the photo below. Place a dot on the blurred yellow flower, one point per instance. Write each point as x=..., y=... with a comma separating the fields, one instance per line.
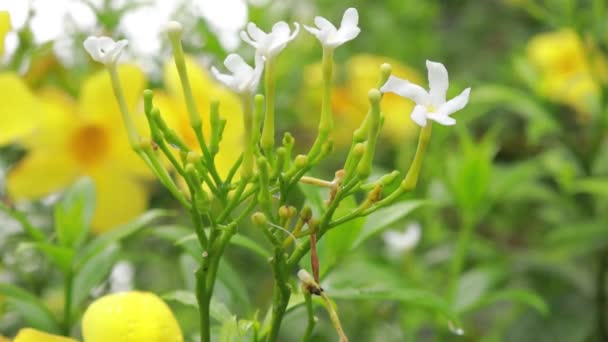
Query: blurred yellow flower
x=19, y=107
x=5, y=27
x=85, y=137
x=130, y=317
x=349, y=98
x=32, y=335
x=205, y=89
x=565, y=75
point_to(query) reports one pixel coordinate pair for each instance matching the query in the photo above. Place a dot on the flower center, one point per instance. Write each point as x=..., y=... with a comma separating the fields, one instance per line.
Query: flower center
x=89, y=144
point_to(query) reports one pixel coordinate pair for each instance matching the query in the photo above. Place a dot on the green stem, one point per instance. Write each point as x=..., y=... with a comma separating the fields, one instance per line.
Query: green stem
x=247, y=165
x=267, y=139
x=20, y=217
x=124, y=110
x=311, y=316
x=326, y=120
x=281, y=294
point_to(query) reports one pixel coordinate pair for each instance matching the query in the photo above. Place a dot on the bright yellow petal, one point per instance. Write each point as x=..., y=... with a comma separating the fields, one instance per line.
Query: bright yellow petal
x=130, y=317
x=32, y=335
x=5, y=27
x=119, y=199
x=97, y=97
x=19, y=109
x=40, y=173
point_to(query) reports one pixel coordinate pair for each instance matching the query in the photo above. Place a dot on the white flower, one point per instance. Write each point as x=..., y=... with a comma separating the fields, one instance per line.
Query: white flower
x=329, y=36
x=272, y=43
x=244, y=78
x=103, y=49
x=401, y=241
x=432, y=104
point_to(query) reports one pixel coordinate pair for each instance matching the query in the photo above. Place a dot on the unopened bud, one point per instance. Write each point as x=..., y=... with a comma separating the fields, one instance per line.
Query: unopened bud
x=300, y=161
x=258, y=218
x=193, y=157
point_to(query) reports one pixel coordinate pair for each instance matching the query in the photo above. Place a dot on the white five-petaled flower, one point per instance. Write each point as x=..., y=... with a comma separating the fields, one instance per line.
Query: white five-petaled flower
x=244, y=79
x=432, y=104
x=272, y=43
x=329, y=36
x=104, y=49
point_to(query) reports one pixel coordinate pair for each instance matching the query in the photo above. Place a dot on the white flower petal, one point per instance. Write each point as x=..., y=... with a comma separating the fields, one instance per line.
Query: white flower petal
x=280, y=30
x=401, y=241
x=104, y=49
x=441, y=119
x=350, y=18
x=419, y=115
x=235, y=63
x=344, y=35
x=324, y=24
x=254, y=32
x=405, y=88
x=438, y=82
x=245, y=37
x=455, y=104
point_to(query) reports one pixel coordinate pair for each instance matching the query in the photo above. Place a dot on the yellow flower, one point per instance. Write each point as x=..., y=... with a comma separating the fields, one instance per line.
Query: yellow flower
x=563, y=68
x=86, y=137
x=19, y=107
x=205, y=89
x=130, y=317
x=5, y=27
x=32, y=335
x=349, y=98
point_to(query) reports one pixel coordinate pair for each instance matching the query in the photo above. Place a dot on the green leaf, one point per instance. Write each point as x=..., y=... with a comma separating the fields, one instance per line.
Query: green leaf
x=231, y=279
x=93, y=272
x=382, y=219
x=116, y=235
x=337, y=242
x=594, y=186
x=31, y=309
x=60, y=256
x=237, y=240
x=180, y=236
x=540, y=120
x=410, y=297
x=74, y=212
x=522, y=296
x=181, y=296
x=245, y=242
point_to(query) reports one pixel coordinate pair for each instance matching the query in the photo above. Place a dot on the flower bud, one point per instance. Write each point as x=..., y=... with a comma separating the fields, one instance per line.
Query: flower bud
x=301, y=161
x=258, y=218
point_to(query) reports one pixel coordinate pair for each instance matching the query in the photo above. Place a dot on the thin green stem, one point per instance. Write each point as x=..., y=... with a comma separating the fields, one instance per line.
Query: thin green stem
x=267, y=139
x=27, y=226
x=312, y=320
x=122, y=103
x=326, y=120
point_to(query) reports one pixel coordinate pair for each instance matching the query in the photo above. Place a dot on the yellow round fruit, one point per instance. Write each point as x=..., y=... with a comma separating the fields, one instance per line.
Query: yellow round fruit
x=33, y=335
x=130, y=317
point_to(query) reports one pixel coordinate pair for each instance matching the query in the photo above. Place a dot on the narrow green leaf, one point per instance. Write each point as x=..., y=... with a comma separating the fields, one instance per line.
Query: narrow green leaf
x=74, y=212
x=522, y=296
x=101, y=242
x=60, y=256
x=382, y=219
x=245, y=242
x=93, y=272
x=31, y=309
x=411, y=297
x=594, y=186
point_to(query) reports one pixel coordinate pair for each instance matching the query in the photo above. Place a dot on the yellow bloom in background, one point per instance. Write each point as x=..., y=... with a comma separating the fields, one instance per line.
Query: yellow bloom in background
x=562, y=63
x=349, y=98
x=5, y=27
x=130, y=317
x=205, y=89
x=32, y=335
x=19, y=109
x=86, y=137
